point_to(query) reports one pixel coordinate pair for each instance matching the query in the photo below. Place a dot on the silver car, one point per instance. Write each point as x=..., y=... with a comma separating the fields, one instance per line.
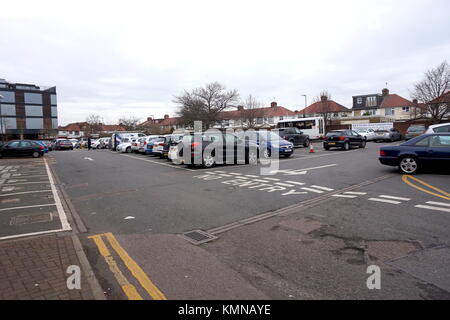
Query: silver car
x=388, y=135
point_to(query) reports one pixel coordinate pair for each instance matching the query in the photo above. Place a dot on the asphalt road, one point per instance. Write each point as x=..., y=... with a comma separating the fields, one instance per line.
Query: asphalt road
x=345, y=212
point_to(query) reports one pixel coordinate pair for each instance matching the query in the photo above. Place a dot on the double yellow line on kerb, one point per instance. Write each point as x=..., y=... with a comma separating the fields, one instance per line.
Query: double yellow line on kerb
x=129, y=289
x=420, y=185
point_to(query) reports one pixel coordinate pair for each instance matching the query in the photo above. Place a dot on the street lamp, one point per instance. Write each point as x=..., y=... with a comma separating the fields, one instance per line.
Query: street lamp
x=1, y=119
x=306, y=104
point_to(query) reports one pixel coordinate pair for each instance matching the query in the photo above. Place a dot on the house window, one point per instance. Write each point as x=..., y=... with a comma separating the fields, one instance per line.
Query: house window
x=259, y=121
x=389, y=112
x=281, y=118
x=271, y=121
x=405, y=109
x=359, y=100
x=335, y=115
x=370, y=112
x=371, y=101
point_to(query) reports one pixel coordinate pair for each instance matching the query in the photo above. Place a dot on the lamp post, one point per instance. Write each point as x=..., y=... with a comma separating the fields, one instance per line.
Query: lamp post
x=306, y=104
x=1, y=119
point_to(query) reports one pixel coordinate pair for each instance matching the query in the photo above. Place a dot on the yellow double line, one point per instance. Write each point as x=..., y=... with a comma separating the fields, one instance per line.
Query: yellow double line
x=436, y=191
x=135, y=269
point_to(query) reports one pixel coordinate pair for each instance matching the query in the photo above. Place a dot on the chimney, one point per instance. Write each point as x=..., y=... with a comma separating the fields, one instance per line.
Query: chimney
x=385, y=92
x=166, y=116
x=324, y=98
x=240, y=108
x=415, y=102
x=149, y=119
x=273, y=105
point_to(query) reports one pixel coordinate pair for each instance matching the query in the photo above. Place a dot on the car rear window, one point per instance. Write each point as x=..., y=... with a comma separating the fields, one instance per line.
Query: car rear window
x=442, y=129
x=335, y=134
x=381, y=131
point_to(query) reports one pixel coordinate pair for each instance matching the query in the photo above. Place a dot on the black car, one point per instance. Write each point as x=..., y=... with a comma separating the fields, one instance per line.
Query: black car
x=344, y=139
x=169, y=141
x=21, y=148
x=63, y=145
x=432, y=150
x=294, y=136
x=214, y=148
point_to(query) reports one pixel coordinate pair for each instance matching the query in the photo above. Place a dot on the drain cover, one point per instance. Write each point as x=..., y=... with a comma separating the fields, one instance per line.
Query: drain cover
x=198, y=237
x=30, y=219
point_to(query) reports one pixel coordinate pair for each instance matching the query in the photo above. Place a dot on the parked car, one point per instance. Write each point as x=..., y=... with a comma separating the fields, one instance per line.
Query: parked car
x=443, y=127
x=101, y=143
x=135, y=144
x=390, y=135
x=415, y=131
x=343, y=139
x=75, y=143
x=42, y=143
x=21, y=148
x=294, y=136
x=209, y=159
x=270, y=141
x=424, y=151
x=63, y=144
x=143, y=143
x=171, y=140
x=125, y=145
x=368, y=134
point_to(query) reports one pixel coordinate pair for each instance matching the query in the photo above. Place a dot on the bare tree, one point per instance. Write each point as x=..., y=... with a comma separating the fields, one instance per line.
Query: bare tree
x=324, y=98
x=429, y=91
x=129, y=123
x=251, y=112
x=205, y=104
x=93, y=124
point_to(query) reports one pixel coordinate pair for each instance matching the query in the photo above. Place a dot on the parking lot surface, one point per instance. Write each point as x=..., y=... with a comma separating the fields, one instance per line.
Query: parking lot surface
x=316, y=219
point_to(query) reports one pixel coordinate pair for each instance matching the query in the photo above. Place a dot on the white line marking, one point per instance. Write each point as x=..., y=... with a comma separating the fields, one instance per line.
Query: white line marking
x=161, y=164
x=225, y=175
x=261, y=181
x=433, y=208
x=296, y=183
x=28, y=207
x=272, y=179
x=284, y=185
x=312, y=190
x=344, y=196
x=356, y=193
x=22, y=183
x=235, y=174
x=395, y=198
x=61, y=213
x=439, y=203
x=87, y=158
x=18, y=193
x=250, y=176
x=384, y=200
x=322, y=188
x=221, y=171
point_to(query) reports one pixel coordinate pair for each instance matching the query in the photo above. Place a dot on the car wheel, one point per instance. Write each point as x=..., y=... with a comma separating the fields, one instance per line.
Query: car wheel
x=209, y=161
x=363, y=144
x=253, y=158
x=287, y=155
x=327, y=148
x=346, y=146
x=306, y=144
x=409, y=165
x=128, y=150
x=36, y=154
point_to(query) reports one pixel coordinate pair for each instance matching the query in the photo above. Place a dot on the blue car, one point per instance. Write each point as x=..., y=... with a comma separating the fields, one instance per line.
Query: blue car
x=271, y=142
x=42, y=143
x=428, y=150
x=149, y=150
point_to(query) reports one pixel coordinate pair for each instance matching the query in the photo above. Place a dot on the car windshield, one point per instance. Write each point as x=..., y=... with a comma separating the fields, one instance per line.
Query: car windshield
x=416, y=129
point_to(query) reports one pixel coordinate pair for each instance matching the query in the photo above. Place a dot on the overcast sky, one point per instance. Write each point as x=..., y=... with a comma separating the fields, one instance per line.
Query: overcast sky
x=129, y=58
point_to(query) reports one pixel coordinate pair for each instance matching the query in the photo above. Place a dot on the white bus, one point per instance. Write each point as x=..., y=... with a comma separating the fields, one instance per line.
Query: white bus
x=313, y=127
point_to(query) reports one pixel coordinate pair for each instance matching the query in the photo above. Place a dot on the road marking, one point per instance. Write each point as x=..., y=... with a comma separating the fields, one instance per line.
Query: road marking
x=87, y=158
x=250, y=176
x=272, y=179
x=297, y=183
x=344, y=196
x=22, y=183
x=384, y=200
x=129, y=218
x=28, y=207
x=356, y=193
x=129, y=290
x=323, y=188
x=225, y=175
x=10, y=200
x=161, y=164
x=261, y=181
x=312, y=190
x=433, y=208
x=395, y=198
x=441, y=193
x=285, y=185
x=439, y=203
x=136, y=271
x=19, y=193
x=61, y=213
x=235, y=174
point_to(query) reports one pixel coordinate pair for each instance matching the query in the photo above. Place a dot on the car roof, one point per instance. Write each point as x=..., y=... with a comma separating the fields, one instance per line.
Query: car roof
x=440, y=125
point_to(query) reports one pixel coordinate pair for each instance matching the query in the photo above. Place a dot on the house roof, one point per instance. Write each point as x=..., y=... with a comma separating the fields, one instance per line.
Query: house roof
x=80, y=126
x=269, y=112
x=394, y=100
x=324, y=107
x=445, y=98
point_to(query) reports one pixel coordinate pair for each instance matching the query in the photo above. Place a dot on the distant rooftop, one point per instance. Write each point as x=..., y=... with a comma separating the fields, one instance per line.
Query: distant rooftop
x=25, y=86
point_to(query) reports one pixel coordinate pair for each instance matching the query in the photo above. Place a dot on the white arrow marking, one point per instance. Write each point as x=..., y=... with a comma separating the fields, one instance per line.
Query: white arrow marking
x=87, y=158
x=129, y=218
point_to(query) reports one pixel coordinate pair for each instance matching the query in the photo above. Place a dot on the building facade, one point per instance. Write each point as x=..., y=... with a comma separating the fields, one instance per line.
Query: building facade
x=27, y=111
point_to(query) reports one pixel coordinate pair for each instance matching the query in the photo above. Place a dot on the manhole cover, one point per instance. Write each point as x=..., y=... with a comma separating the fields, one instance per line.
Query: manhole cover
x=30, y=219
x=198, y=237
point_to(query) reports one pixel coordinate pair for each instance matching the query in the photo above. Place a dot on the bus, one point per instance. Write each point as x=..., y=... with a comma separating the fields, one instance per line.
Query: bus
x=313, y=127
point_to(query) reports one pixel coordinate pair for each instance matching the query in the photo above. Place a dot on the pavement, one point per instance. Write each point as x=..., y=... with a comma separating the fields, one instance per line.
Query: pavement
x=310, y=230
x=38, y=238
